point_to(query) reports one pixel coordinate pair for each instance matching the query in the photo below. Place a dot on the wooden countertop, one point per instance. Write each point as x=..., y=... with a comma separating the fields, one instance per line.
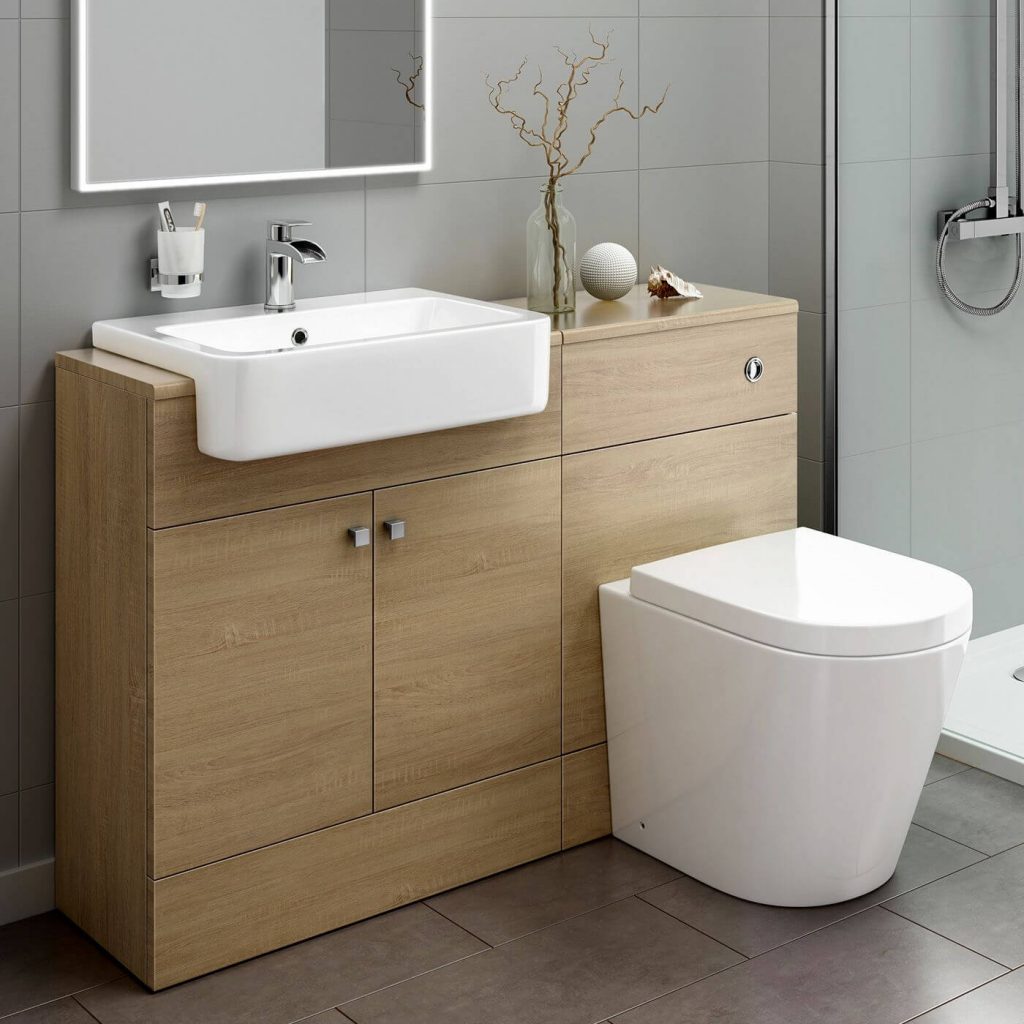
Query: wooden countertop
x=594, y=320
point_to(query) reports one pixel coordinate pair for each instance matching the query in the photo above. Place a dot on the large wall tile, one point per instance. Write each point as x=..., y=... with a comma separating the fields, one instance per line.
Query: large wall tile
x=36, y=459
x=35, y=825
x=874, y=234
x=811, y=384
x=708, y=224
x=35, y=711
x=484, y=228
x=10, y=115
x=968, y=497
x=717, y=107
x=998, y=596
x=8, y=831
x=45, y=8
x=381, y=14
x=797, y=8
x=472, y=141
x=797, y=89
x=950, y=86
x=810, y=494
x=8, y=8
x=947, y=183
x=8, y=502
x=932, y=8
x=8, y=697
x=873, y=8
x=874, y=98
x=874, y=499
x=9, y=300
x=703, y=8
x=967, y=370
x=874, y=378
x=534, y=8
x=60, y=245
x=797, y=234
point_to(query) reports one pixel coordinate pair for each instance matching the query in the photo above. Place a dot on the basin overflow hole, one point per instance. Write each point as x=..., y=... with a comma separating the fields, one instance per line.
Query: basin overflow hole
x=300, y=336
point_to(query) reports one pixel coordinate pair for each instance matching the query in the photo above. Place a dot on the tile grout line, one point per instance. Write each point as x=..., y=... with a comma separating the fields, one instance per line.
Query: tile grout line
x=942, y=835
x=461, y=927
x=895, y=913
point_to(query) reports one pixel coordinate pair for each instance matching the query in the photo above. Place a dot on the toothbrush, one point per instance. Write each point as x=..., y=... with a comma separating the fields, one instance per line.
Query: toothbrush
x=199, y=212
x=166, y=217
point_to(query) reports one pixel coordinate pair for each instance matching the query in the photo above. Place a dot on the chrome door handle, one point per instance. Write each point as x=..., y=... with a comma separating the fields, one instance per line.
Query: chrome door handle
x=395, y=528
x=360, y=536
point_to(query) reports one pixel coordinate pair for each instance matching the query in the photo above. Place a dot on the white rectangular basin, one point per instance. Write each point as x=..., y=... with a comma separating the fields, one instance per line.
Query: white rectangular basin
x=345, y=369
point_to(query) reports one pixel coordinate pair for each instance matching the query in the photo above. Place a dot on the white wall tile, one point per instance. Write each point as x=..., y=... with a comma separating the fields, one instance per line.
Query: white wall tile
x=998, y=596
x=874, y=499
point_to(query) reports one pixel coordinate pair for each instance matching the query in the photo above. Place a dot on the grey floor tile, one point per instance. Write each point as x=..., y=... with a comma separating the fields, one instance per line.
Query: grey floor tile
x=576, y=972
x=979, y=810
x=942, y=768
x=752, y=928
x=299, y=981
x=981, y=907
x=63, y=1011
x=872, y=969
x=551, y=890
x=46, y=957
x=999, y=1002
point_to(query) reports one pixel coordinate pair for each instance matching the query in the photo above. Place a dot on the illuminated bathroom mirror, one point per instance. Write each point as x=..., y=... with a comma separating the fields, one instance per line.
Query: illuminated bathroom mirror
x=206, y=92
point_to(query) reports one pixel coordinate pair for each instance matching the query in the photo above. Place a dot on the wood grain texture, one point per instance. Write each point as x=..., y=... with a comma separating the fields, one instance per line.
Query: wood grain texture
x=638, y=313
x=238, y=908
x=653, y=385
x=468, y=641
x=641, y=502
x=262, y=680
x=586, y=802
x=188, y=486
x=126, y=374
x=101, y=676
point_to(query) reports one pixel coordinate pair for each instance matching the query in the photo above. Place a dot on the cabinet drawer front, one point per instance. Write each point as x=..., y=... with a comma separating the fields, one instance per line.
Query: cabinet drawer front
x=467, y=666
x=261, y=680
x=188, y=487
x=239, y=908
x=673, y=381
x=641, y=502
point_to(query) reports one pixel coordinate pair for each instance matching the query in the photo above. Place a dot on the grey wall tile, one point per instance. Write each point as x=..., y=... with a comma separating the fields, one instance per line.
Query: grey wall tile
x=8, y=831
x=874, y=498
x=932, y=8
x=797, y=8
x=874, y=98
x=8, y=697
x=717, y=108
x=36, y=460
x=45, y=8
x=381, y=14
x=8, y=502
x=873, y=8
x=810, y=494
x=797, y=89
x=874, y=205
x=486, y=223
x=950, y=86
x=704, y=8
x=874, y=378
x=708, y=224
x=35, y=825
x=472, y=141
x=797, y=207
x=8, y=8
x=10, y=115
x=35, y=710
x=998, y=596
x=533, y=8
x=810, y=381
x=9, y=306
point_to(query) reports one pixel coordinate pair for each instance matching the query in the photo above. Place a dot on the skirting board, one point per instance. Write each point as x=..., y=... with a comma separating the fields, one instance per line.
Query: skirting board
x=26, y=891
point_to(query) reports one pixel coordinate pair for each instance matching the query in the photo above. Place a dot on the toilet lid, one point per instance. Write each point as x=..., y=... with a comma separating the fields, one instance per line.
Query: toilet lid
x=805, y=591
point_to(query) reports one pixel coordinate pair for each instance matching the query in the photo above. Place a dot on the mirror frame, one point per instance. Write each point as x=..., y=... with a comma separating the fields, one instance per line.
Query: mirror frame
x=80, y=132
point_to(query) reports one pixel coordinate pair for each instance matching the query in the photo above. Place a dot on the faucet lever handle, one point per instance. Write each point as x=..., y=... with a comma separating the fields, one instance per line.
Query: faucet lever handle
x=281, y=230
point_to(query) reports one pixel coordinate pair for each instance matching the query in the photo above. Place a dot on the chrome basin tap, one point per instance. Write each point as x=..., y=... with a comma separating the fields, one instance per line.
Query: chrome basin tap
x=282, y=253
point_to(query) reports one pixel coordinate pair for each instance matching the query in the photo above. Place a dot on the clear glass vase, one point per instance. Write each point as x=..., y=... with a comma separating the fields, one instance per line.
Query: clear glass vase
x=551, y=255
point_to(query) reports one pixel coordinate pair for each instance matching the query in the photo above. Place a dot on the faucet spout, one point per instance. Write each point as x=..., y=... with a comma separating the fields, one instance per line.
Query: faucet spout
x=283, y=252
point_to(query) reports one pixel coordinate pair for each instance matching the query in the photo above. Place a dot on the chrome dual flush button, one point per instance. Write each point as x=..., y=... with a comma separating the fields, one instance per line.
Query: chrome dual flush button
x=754, y=370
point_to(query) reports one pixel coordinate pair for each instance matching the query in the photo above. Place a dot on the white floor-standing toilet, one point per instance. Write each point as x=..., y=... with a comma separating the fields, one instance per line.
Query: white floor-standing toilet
x=773, y=705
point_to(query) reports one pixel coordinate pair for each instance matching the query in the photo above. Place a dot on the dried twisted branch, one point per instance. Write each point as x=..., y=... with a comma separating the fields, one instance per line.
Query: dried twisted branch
x=409, y=84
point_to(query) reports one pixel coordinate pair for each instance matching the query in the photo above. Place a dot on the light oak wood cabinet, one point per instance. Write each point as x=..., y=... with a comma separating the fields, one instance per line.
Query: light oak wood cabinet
x=266, y=730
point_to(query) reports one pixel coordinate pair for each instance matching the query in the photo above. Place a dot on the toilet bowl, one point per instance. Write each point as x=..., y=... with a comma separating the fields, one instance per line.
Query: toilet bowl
x=773, y=705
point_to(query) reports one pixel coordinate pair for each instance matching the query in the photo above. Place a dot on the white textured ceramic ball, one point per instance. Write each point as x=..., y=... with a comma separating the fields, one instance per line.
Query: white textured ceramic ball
x=608, y=270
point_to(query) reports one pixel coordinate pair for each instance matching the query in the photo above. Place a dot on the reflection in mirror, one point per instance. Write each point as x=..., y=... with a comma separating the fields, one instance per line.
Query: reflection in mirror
x=219, y=91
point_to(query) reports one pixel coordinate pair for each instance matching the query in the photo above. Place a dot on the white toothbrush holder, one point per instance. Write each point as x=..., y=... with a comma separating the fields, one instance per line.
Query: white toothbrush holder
x=177, y=271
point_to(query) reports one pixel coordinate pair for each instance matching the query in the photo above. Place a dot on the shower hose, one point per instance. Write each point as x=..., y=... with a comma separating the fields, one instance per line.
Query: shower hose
x=986, y=204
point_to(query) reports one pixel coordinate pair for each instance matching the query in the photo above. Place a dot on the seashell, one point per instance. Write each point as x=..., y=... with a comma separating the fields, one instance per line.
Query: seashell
x=666, y=285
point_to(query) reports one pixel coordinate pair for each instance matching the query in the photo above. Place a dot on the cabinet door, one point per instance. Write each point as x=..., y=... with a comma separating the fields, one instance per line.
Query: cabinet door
x=641, y=502
x=261, y=680
x=467, y=666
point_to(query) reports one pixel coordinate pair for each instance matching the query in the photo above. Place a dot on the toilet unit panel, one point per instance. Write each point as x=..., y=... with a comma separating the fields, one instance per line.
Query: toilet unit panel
x=777, y=777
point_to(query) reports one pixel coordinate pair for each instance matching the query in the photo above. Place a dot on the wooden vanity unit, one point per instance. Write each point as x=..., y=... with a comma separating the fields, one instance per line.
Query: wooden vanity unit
x=265, y=731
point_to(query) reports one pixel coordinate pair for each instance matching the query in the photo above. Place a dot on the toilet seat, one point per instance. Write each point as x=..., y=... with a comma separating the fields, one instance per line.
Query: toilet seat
x=812, y=593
